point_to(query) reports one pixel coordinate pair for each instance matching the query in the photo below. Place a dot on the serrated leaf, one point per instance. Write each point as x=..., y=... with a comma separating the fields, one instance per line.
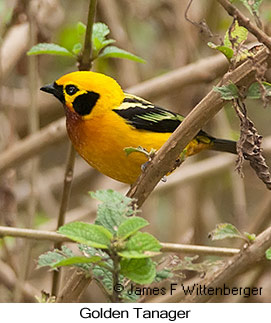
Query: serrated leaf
x=131, y=226
x=140, y=271
x=225, y=230
x=227, y=92
x=77, y=260
x=50, y=258
x=268, y=254
x=113, y=51
x=77, y=48
x=114, y=209
x=90, y=234
x=227, y=51
x=110, y=196
x=49, y=49
x=99, y=33
x=143, y=243
x=110, y=217
x=105, y=276
x=254, y=91
x=238, y=34
x=90, y=251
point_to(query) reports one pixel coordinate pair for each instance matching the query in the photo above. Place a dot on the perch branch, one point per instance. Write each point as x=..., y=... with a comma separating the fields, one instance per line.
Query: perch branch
x=164, y=161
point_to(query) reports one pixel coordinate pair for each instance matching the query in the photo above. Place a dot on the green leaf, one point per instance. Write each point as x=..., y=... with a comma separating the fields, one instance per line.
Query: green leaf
x=113, y=51
x=77, y=48
x=227, y=51
x=141, y=271
x=252, y=5
x=227, y=92
x=114, y=209
x=50, y=258
x=225, y=230
x=141, y=245
x=130, y=226
x=238, y=34
x=107, y=42
x=90, y=234
x=77, y=260
x=110, y=217
x=103, y=275
x=50, y=49
x=268, y=254
x=81, y=29
x=254, y=91
x=99, y=33
x=110, y=196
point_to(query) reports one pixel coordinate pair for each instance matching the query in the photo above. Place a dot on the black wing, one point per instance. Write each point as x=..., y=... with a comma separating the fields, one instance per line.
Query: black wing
x=144, y=115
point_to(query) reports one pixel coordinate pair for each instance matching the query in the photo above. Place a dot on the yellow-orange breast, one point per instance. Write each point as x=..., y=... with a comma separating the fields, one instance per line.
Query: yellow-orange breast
x=101, y=142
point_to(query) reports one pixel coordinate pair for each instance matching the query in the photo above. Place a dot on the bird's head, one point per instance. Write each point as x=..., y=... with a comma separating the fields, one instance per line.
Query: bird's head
x=86, y=94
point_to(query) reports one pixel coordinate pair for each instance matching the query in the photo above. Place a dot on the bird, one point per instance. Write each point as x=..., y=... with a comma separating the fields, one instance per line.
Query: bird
x=102, y=121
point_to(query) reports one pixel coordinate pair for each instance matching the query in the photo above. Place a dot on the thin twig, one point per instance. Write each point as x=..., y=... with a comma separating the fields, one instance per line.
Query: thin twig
x=67, y=186
x=166, y=247
x=84, y=65
x=63, y=207
x=199, y=250
x=85, y=60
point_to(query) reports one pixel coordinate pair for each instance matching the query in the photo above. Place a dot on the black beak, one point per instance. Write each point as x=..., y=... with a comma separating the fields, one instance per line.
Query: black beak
x=55, y=89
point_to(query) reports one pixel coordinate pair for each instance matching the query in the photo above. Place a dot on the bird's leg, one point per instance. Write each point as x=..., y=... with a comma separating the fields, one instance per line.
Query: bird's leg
x=149, y=155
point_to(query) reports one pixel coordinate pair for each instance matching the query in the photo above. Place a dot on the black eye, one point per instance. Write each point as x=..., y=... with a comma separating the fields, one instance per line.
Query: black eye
x=71, y=89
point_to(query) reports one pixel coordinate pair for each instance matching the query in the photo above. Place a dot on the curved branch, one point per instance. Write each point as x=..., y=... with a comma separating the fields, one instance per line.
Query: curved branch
x=164, y=161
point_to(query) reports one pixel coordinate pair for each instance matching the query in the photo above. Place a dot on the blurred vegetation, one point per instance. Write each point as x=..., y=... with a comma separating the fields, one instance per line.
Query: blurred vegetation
x=157, y=31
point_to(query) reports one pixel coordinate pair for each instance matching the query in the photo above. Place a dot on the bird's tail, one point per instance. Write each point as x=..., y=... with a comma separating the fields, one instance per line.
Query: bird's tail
x=224, y=145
